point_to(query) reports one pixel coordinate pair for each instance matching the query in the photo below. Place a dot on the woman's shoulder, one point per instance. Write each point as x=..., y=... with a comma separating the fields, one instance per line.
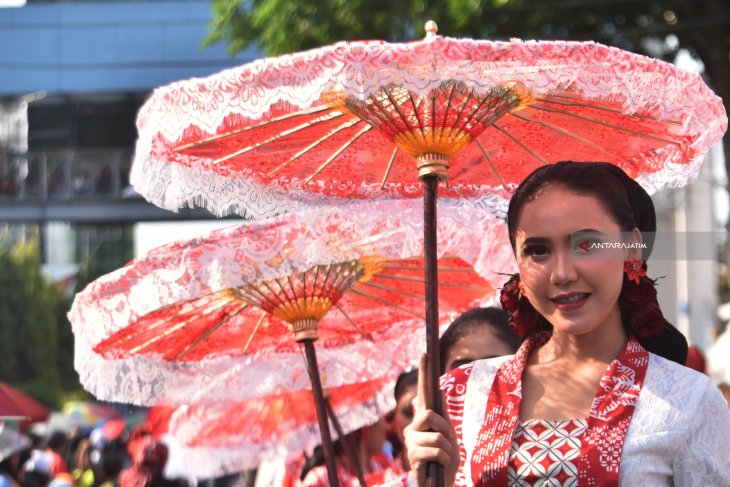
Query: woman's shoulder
x=664, y=375
x=674, y=393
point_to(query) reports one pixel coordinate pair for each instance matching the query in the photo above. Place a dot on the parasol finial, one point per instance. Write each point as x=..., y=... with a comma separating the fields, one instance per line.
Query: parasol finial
x=431, y=29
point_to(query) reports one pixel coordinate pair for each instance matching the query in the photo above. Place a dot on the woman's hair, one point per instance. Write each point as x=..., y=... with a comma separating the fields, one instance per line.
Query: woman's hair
x=405, y=381
x=629, y=205
x=56, y=441
x=627, y=202
x=477, y=319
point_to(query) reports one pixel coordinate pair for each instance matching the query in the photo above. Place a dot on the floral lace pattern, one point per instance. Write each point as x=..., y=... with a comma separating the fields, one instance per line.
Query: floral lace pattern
x=284, y=117
x=196, y=269
x=276, y=426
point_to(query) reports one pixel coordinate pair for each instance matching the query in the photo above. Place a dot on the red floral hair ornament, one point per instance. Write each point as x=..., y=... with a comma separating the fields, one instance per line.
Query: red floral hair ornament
x=523, y=318
x=634, y=270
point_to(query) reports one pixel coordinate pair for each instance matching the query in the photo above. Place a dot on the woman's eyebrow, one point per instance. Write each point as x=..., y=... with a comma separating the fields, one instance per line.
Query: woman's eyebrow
x=588, y=230
x=535, y=240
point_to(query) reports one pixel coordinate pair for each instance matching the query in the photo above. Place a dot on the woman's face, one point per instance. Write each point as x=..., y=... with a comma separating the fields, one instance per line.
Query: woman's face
x=478, y=344
x=575, y=290
x=404, y=411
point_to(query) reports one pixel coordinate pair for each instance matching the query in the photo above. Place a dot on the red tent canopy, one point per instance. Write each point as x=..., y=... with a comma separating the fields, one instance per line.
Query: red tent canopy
x=8, y=408
x=28, y=406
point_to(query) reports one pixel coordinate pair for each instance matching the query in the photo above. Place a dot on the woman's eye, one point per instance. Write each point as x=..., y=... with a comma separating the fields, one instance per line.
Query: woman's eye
x=407, y=411
x=536, y=250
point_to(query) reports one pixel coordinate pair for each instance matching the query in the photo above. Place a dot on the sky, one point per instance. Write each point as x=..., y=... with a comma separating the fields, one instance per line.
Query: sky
x=150, y=235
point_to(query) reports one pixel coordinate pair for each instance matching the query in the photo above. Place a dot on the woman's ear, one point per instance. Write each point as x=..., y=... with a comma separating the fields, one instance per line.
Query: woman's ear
x=636, y=249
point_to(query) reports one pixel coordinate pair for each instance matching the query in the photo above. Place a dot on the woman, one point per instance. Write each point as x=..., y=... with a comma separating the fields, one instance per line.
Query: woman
x=476, y=334
x=368, y=445
x=582, y=401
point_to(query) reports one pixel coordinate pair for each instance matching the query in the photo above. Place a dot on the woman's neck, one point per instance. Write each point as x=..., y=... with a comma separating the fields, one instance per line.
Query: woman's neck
x=603, y=344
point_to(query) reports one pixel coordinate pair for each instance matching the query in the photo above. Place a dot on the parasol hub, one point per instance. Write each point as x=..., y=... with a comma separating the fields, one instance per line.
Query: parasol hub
x=303, y=308
x=435, y=126
x=305, y=329
x=433, y=164
x=447, y=141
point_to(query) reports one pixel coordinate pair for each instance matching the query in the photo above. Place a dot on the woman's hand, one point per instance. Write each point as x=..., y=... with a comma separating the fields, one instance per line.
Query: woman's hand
x=430, y=437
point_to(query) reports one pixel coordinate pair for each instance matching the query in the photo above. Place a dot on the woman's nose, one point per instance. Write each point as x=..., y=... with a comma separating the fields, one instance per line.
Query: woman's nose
x=564, y=270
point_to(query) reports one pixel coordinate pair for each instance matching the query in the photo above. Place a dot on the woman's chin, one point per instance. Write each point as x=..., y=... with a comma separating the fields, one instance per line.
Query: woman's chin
x=573, y=327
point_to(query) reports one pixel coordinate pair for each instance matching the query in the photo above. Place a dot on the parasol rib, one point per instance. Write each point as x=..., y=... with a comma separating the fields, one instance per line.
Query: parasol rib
x=282, y=302
x=419, y=279
x=434, y=112
x=326, y=283
x=251, y=127
x=491, y=164
x=398, y=111
x=521, y=144
x=570, y=134
x=390, y=165
x=420, y=268
x=208, y=332
x=172, y=330
x=548, y=99
x=280, y=135
x=464, y=105
x=337, y=153
x=392, y=290
x=605, y=124
x=415, y=114
x=446, y=108
x=264, y=298
x=347, y=317
x=304, y=286
x=162, y=322
x=382, y=115
x=494, y=100
x=385, y=301
x=255, y=330
x=314, y=144
x=294, y=290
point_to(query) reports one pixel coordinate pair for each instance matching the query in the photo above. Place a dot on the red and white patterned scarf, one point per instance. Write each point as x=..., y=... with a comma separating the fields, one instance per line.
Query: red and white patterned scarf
x=602, y=443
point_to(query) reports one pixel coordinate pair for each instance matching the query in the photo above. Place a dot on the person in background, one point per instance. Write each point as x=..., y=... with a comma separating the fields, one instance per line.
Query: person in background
x=12, y=445
x=56, y=450
x=149, y=458
x=368, y=443
x=476, y=334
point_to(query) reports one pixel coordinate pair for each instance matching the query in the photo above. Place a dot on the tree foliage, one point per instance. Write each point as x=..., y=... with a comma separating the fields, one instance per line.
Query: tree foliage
x=32, y=311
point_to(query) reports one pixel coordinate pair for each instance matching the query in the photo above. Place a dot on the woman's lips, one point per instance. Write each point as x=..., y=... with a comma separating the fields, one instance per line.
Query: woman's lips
x=570, y=301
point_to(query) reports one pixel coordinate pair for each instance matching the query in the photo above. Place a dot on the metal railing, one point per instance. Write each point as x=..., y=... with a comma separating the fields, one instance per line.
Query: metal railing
x=66, y=174
x=76, y=185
